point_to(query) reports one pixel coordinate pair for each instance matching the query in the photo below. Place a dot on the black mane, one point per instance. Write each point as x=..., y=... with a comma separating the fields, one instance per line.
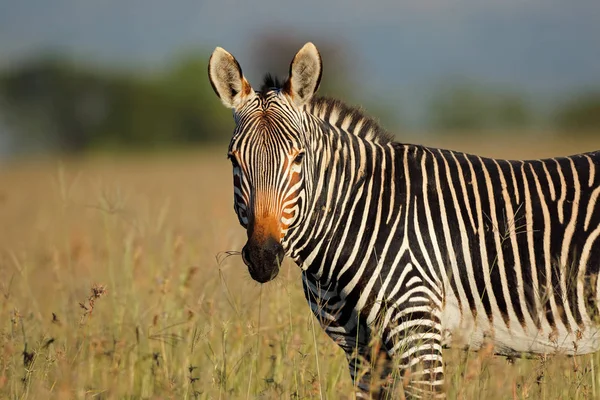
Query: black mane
x=324, y=107
x=270, y=82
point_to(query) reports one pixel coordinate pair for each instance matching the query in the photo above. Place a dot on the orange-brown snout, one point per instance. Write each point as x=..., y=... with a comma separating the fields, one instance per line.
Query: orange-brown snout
x=263, y=253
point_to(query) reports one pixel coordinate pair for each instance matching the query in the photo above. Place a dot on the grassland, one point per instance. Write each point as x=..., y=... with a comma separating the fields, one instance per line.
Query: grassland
x=116, y=282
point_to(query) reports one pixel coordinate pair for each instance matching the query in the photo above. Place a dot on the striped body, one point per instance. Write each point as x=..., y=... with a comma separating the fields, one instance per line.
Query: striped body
x=505, y=252
x=419, y=247
x=462, y=249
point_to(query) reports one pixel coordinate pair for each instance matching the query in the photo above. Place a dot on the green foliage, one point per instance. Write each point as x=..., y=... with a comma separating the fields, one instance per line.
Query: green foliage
x=512, y=111
x=464, y=106
x=581, y=113
x=60, y=105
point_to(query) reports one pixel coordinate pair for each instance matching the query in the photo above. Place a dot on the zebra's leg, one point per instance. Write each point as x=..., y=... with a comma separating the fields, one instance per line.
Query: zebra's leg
x=414, y=341
x=353, y=337
x=369, y=363
x=356, y=347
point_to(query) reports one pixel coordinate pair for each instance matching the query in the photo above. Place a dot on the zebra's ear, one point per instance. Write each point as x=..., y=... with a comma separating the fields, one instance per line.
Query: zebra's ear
x=227, y=80
x=305, y=75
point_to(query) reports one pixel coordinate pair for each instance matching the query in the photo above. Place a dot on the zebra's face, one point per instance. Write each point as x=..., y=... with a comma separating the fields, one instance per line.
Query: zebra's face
x=268, y=184
x=268, y=153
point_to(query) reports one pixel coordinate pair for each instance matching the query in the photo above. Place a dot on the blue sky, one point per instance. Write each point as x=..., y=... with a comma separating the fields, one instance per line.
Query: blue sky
x=400, y=49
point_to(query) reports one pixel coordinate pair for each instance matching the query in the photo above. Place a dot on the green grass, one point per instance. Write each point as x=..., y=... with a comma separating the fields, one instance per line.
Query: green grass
x=115, y=284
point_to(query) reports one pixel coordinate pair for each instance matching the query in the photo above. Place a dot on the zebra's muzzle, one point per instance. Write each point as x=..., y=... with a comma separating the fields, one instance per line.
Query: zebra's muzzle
x=263, y=258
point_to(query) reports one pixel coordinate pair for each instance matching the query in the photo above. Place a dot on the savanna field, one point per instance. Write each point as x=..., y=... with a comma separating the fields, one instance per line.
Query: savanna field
x=120, y=277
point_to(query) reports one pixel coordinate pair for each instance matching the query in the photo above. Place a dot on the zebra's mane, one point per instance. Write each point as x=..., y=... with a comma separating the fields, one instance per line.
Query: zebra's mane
x=270, y=82
x=336, y=112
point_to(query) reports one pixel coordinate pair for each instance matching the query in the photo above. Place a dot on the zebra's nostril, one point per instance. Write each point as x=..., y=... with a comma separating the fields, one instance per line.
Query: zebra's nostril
x=245, y=256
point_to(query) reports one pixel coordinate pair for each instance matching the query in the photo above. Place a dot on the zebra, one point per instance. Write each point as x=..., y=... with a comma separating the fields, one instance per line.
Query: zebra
x=406, y=249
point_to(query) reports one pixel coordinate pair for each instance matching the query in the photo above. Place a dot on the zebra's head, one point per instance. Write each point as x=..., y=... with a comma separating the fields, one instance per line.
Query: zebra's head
x=269, y=153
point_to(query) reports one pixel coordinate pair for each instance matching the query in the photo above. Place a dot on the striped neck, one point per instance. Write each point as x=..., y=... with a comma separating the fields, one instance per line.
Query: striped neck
x=348, y=149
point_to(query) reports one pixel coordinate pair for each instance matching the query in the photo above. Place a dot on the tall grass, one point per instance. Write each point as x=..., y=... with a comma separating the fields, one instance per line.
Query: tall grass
x=120, y=278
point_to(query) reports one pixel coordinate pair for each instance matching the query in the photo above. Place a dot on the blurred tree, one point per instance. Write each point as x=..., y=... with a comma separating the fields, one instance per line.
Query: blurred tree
x=6, y=140
x=202, y=117
x=464, y=106
x=581, y=113
x=459, y=107
x=512, y=112
x=53, y=104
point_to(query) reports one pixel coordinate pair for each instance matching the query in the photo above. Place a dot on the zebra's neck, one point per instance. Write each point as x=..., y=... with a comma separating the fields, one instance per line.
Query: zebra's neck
x=348, y=171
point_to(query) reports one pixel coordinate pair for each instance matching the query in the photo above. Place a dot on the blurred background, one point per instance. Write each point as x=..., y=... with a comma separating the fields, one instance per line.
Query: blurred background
x=108, y=75
x=114, y=180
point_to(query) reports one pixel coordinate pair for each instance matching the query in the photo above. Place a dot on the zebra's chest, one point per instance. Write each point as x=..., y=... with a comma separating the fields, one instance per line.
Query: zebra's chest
x=463, y=330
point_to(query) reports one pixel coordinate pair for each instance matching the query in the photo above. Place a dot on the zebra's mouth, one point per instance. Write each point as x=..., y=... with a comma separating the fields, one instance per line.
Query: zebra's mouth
x=262, y=276
x=263, y=260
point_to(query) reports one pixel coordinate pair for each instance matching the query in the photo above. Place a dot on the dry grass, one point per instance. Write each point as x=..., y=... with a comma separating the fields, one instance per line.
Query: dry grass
x=115, y=283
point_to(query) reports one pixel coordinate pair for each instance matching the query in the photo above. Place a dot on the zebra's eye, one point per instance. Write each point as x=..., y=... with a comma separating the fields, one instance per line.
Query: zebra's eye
x=299, y=157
